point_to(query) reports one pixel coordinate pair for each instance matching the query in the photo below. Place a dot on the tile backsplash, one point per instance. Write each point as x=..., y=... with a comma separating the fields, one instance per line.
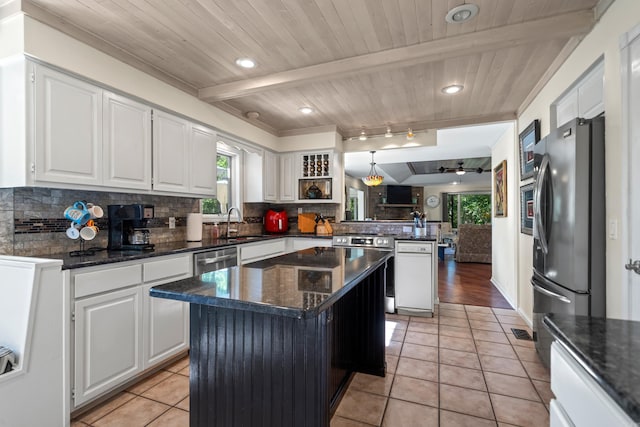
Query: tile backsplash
x=33, y=222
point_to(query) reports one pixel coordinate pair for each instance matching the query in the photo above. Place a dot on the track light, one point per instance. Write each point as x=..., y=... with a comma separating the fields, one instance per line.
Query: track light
x=388, y=134
x=363, y=136
x=410, y=134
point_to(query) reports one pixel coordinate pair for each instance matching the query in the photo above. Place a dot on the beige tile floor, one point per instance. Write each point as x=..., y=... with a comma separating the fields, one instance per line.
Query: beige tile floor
x=462, y=367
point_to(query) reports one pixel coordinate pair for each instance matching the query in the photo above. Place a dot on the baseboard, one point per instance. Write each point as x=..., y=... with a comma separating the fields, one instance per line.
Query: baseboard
x=524, y=317
x=502, y=291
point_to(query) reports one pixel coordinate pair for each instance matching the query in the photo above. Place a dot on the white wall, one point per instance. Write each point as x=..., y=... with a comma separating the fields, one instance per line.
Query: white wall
x=435, y=214
x=56, y=48
x=310, y=141
x=504, y=230
x=603, y=39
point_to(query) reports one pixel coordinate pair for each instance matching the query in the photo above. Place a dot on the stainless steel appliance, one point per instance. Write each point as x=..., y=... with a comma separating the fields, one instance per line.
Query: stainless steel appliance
x=569, y=226
x=128, y=227
x=379, y=242
x=204, y=262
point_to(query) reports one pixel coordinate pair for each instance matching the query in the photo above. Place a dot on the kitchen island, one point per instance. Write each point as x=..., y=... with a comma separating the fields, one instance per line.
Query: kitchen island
x=275, y=342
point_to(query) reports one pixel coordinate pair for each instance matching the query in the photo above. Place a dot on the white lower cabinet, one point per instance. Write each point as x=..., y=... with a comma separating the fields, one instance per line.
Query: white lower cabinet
x=262, y=250
x=119, y=330
x=580, y=401
x=300, y=243
x=107, y=330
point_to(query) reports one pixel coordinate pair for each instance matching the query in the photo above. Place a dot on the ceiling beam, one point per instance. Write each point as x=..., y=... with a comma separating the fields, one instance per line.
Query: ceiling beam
x=433, y=124
x=553, y=27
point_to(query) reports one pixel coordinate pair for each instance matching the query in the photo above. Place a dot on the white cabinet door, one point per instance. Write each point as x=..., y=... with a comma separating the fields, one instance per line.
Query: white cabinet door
x=253, y=177
x=126, y=142
x=166, y=322
x=263, y=250
x=591, y=93
x=166, y=326
x=287, y=177
x=68, y=123
x=270, y=176
x=170, y=153
x=107, y=341
x=203, y=161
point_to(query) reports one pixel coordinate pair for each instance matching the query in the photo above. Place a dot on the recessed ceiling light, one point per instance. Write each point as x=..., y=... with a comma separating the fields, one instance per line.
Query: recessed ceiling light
x=461, y=13
x=245, y=62
x=305, y=110
x=450, y=90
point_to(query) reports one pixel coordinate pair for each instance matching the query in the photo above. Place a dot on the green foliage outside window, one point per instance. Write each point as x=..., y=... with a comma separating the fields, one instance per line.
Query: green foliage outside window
x=223, y=172
x=474, y=209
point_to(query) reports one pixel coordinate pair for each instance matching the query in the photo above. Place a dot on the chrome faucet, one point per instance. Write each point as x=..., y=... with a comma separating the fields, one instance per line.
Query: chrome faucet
x=229, y=230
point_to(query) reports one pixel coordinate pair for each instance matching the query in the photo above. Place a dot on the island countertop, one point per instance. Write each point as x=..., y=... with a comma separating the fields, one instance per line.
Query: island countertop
x=608, y=349
x=299, y=284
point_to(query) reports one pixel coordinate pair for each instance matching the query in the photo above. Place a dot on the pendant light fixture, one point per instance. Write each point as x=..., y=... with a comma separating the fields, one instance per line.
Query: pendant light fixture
x=410, y=135
x=373, y=178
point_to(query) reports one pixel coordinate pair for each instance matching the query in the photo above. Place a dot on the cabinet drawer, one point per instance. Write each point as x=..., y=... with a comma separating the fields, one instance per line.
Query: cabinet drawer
x=580, y=396
x=262, y=250
x=106, y=280
x=167, y=268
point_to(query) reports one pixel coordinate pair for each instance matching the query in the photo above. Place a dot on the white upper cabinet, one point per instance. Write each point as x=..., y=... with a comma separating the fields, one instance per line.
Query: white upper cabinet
x=68, y=121
x=184, y=156
x=270, y=176
x=287, y=177
x=585, y=100
x=170, y=153
x=203, y=161
x=126, y=142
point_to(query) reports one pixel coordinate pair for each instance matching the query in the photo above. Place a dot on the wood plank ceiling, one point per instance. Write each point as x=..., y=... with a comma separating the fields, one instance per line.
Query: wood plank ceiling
x=358, y=63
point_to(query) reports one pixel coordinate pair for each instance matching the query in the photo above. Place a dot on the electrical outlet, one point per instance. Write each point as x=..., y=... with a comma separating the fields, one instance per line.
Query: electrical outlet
x=172, y=222
x=299, y=210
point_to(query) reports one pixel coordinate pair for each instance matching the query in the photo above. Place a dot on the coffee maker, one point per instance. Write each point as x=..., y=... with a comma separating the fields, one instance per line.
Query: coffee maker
x=128, y=227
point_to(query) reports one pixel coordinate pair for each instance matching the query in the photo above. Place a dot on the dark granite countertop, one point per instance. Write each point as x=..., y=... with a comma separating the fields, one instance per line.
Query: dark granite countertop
x=299, y=284
x=609, y=350
x=102, y=257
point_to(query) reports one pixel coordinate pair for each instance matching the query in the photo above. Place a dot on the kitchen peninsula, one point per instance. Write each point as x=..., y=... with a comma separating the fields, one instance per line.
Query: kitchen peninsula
x=275, y=342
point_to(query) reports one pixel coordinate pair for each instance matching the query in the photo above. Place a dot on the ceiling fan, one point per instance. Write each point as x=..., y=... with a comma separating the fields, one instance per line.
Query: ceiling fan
x=460, y=170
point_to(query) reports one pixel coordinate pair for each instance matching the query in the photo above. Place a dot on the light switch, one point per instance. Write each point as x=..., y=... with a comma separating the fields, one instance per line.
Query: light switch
x=299, y=210
x=613, y=229
x=172, y=222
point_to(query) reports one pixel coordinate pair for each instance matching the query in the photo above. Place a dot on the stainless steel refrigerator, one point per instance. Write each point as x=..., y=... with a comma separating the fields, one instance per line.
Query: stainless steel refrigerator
x=569, y=226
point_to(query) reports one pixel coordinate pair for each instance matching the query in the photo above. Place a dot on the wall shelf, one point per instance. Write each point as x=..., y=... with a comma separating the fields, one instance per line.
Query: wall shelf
x=399, y=205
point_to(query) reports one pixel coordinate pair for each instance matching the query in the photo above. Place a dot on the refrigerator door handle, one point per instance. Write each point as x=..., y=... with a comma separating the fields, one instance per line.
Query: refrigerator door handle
x=539, y=184
x=551, y=294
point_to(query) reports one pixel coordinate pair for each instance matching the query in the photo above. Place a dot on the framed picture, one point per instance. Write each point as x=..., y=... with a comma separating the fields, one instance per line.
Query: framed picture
x=528, y=139
x=500, y=190
x=526, y=209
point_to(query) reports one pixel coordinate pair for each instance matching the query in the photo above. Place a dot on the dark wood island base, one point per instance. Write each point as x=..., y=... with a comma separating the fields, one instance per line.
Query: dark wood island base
x=259, y=364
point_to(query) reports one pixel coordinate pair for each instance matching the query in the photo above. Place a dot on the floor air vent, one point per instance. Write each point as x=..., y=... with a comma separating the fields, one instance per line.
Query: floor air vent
x=521, y=334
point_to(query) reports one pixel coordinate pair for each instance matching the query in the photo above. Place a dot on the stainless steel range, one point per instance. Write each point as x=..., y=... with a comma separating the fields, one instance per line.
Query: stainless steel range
x=377, y=242
x=373, y=241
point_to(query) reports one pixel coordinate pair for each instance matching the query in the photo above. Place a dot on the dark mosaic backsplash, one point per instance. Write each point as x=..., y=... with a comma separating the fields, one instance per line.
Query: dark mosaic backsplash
x=32, y=221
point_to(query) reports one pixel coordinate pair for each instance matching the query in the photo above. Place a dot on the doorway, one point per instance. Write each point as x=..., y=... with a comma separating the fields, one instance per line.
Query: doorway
x=356, y=204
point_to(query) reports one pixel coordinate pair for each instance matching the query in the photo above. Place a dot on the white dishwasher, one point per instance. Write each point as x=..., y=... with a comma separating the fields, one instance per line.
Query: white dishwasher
x=414, y=278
